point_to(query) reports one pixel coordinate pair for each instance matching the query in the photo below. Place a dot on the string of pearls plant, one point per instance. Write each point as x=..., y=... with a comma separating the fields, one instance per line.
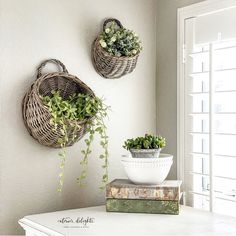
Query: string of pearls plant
x=65, y=115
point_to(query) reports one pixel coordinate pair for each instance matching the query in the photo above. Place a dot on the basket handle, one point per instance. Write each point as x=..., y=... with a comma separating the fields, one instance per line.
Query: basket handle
x=55, y=61
x=110, y=20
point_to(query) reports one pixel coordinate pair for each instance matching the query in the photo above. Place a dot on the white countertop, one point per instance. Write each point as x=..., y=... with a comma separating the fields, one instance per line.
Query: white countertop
x=190, y=222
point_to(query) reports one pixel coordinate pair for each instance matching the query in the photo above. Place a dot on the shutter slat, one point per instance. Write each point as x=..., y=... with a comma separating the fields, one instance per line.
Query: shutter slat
x=223, y=197
x=207, y=175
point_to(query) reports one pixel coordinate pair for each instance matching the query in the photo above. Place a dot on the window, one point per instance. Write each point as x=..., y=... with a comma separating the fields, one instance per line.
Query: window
x=207, y=110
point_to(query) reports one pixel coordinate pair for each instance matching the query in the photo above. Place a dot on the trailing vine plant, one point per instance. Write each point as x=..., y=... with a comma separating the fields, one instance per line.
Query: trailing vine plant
x=66, y=115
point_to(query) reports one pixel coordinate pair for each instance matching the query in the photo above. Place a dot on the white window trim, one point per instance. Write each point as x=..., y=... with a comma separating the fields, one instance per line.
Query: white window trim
x=184, y=13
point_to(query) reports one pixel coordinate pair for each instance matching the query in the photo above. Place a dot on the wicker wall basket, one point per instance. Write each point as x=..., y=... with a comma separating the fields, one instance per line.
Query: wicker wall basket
x=36, y=115
x=107, y=65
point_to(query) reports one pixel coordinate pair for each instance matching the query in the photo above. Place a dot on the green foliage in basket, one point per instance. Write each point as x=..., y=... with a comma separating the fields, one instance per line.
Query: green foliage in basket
x=120, y=41
x=65, y=115
x=146, y=142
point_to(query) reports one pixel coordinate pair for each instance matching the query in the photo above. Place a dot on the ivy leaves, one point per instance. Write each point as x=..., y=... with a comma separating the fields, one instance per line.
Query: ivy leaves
x=120, y=41
x=146, y=142
x=66, y=113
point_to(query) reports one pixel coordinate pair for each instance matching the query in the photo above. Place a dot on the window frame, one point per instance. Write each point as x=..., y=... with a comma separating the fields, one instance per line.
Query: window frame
x=192, y=11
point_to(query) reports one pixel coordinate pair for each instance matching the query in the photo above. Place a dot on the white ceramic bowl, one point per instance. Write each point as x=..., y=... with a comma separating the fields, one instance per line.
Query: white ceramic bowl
x=149, y=171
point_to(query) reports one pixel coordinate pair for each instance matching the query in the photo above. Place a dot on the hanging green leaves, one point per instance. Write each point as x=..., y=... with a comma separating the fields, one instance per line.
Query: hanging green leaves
x=66, y=115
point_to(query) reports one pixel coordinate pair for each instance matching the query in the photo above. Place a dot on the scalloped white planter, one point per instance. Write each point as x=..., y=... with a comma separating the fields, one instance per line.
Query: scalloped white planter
x=149, y=171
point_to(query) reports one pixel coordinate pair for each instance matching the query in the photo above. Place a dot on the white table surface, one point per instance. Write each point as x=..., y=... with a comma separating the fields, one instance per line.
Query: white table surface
x=189, y=222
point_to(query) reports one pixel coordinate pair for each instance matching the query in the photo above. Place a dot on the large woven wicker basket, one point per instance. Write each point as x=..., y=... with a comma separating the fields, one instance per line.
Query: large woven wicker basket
x=107, y=65
x=36, y=115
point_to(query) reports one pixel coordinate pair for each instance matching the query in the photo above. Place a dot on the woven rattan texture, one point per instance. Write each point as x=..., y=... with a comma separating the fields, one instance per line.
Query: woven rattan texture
x=36, y=115
x=109, y=66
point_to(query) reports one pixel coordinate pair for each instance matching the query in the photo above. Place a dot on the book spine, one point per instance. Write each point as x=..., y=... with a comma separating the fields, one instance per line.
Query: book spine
x=142, y=206
x=167, y=193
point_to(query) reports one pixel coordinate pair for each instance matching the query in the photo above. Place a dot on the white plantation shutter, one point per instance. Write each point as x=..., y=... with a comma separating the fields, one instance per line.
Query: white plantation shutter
x=212, y=27
x=210, y=112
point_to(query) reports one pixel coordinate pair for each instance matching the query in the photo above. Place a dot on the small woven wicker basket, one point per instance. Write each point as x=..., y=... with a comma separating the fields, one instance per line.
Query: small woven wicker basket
x=36, y=115
x=110, y=66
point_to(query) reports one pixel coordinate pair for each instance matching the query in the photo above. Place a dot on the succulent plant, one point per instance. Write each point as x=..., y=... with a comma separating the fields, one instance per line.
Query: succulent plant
x=147, y=142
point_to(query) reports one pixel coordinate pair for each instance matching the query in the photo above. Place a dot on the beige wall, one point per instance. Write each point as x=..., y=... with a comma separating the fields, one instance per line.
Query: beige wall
x=167, y=73
x=31, y=31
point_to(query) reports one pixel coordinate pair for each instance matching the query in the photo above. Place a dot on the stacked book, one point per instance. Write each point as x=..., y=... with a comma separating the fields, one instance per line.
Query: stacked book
x=124, y=196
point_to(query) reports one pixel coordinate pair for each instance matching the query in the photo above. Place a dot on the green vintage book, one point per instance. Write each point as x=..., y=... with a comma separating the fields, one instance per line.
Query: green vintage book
x=124, y=189
x=142, y=206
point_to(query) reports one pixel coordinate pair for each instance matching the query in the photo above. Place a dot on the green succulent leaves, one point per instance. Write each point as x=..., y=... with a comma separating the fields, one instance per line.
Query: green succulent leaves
x=66, y=115
x=120, y=41
x=146, y=142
